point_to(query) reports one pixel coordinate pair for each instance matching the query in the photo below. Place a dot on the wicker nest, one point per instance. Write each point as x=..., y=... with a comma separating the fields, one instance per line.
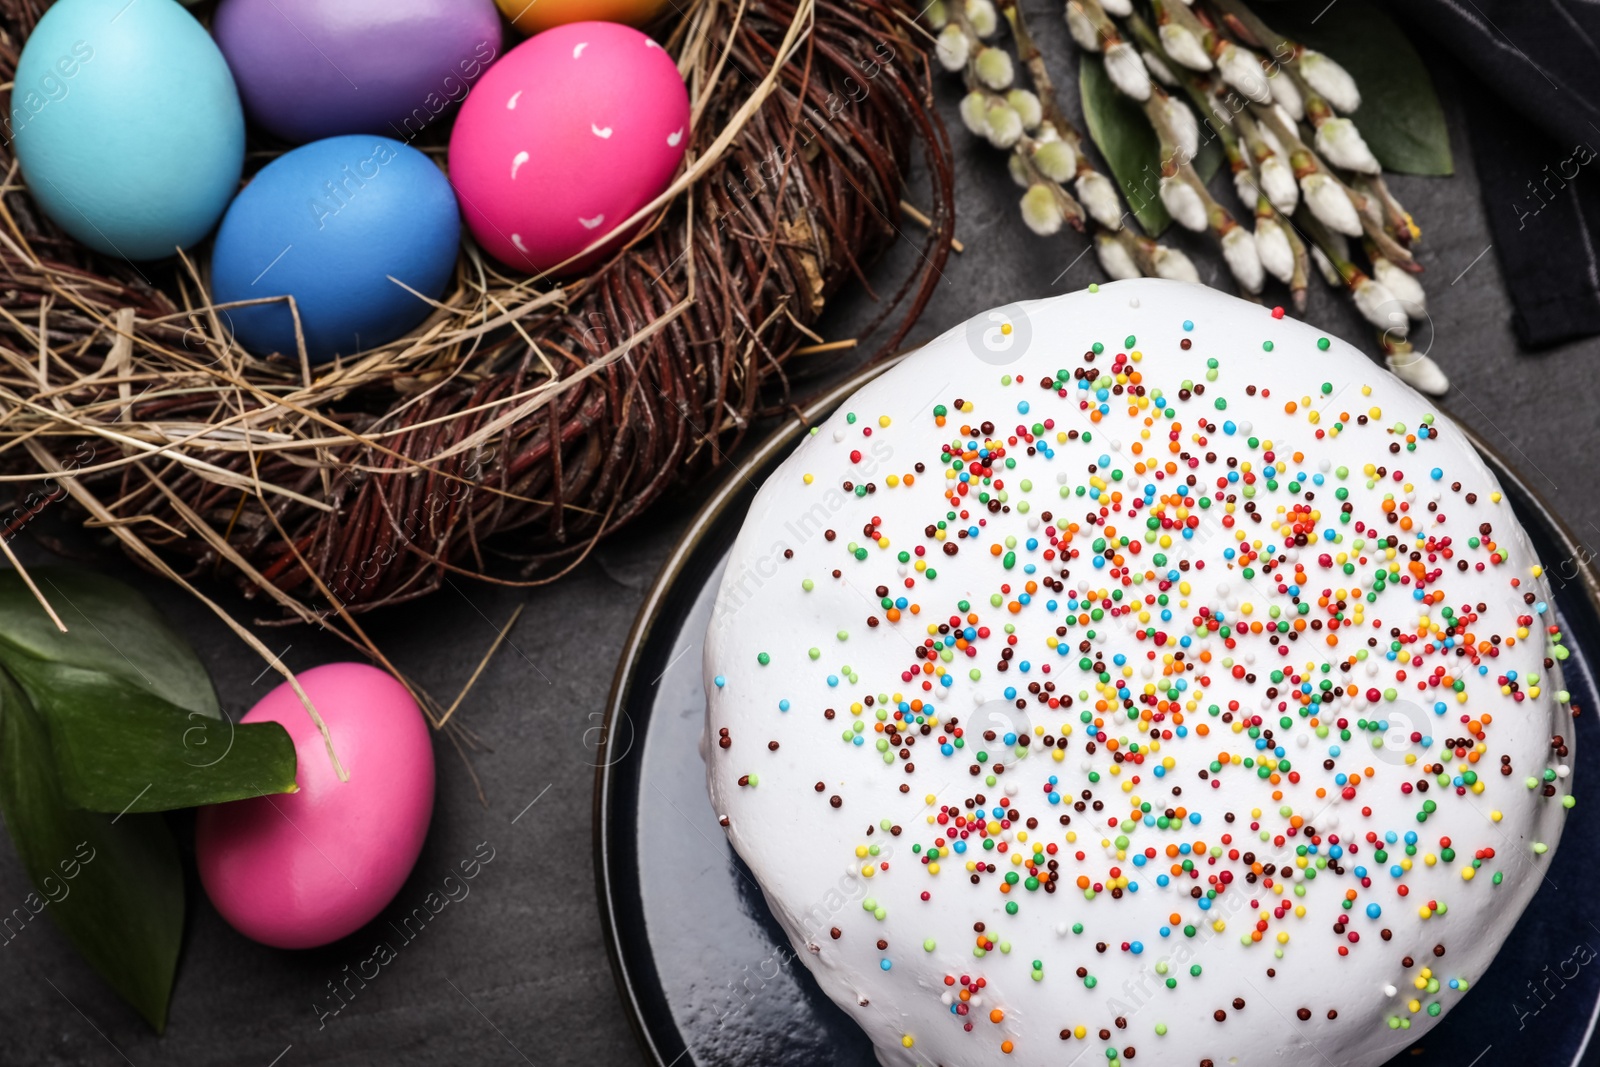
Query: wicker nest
x=524, y=420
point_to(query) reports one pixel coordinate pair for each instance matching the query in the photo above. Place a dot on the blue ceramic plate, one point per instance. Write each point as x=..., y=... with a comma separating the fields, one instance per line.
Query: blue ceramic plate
x=708, y=976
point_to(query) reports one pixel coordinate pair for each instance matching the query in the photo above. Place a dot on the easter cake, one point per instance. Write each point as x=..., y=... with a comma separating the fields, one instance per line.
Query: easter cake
x=1138, y=673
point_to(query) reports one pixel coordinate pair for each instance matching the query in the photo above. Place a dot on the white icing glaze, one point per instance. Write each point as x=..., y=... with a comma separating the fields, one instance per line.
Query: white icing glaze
x=804, y=851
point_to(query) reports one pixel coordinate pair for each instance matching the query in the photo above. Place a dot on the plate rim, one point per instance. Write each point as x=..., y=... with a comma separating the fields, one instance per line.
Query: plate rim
x=782, y=437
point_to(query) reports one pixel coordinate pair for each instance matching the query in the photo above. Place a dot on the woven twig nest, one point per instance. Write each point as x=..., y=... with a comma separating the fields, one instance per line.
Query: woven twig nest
x=525, y=419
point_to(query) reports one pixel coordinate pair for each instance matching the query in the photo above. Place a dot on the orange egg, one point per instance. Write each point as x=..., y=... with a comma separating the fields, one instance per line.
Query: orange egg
x=532, y=16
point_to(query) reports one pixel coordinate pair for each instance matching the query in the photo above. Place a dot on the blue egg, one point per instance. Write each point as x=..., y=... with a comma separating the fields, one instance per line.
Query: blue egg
x=330, y=224
x=127, y=125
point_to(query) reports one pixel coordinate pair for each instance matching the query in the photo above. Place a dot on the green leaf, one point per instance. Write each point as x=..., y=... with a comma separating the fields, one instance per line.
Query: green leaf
x=1210, y=157
x=1400, y=116
x=1126, y=140
x=118, y=749
x=112, y=883
x=111, y=629
x=121, y=739
x=1123, y=133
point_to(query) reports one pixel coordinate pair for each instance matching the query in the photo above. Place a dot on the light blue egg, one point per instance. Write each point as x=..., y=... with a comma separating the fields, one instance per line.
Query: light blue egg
x=127, y=125
x=330, y=224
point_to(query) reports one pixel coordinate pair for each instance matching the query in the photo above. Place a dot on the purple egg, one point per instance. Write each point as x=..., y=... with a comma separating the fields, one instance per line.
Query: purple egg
x=309, y=69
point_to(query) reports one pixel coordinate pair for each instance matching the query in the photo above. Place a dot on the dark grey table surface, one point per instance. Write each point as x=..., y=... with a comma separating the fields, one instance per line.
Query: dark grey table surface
x=517, y=971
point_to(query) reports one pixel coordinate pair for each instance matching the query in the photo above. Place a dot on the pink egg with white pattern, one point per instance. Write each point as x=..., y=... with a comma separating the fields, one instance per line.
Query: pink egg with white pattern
x=563, y=139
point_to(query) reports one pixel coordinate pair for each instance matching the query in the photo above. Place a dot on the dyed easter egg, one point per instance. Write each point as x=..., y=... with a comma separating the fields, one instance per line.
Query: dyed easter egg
x=306, y=868
x=535, y=16
x=309, y=69
x=330, y=224
x=564, y=138
x=128, y=128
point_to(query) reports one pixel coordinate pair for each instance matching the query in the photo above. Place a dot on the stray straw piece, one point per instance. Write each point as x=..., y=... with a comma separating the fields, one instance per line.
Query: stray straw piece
x=484, y=662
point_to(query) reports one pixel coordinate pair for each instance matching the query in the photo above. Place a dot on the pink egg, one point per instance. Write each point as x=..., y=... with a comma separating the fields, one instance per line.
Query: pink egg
x=303, y=869
x=564, y=138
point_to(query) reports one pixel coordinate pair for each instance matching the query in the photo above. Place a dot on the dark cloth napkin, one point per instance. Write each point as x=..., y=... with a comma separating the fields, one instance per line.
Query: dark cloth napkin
x=1534, y=100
